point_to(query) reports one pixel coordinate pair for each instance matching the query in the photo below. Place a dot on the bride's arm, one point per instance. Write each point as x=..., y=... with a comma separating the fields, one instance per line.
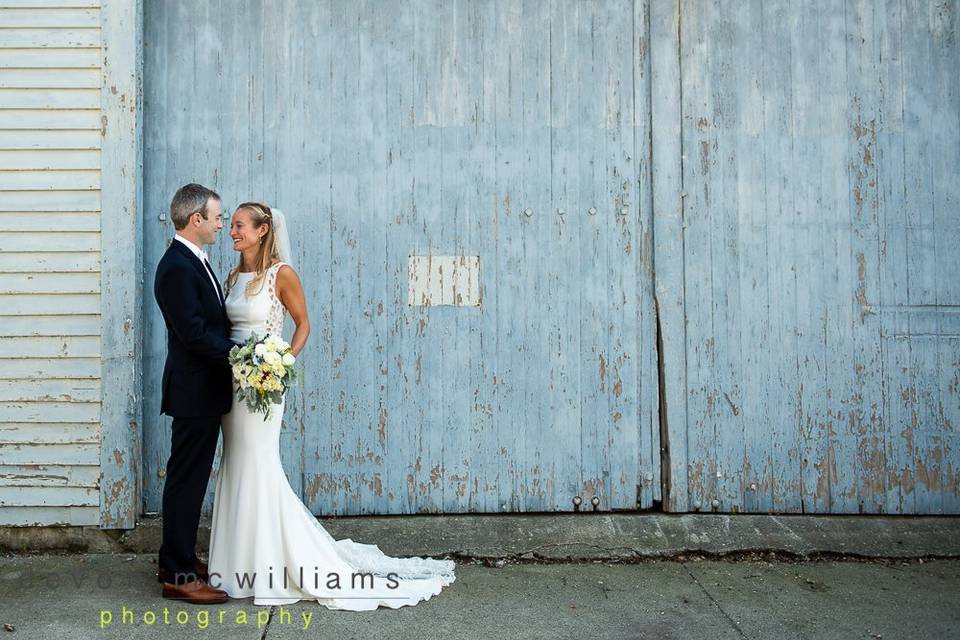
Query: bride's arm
x=290, y=292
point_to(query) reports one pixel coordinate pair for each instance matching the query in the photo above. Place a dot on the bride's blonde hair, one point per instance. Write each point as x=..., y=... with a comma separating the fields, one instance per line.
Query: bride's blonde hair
x=261, y=215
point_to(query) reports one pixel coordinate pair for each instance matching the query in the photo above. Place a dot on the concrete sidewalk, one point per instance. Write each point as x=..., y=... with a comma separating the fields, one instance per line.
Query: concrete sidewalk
x=534, y=576
x=84, y=596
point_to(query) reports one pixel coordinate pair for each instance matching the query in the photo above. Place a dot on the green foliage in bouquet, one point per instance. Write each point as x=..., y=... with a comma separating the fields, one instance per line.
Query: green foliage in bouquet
x=263, y=370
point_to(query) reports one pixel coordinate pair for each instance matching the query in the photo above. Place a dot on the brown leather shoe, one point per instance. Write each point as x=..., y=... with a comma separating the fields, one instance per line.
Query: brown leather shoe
x=196, y=592
x=200, y=568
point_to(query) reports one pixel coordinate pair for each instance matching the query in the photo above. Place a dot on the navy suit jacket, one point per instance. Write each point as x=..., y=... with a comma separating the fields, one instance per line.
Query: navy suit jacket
x=196, y=376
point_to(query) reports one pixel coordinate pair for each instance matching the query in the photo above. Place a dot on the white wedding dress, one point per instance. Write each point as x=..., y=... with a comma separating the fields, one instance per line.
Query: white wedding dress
x=261, y=530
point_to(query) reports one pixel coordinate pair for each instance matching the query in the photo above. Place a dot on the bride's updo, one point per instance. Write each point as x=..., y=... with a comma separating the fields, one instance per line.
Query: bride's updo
x=261, y=215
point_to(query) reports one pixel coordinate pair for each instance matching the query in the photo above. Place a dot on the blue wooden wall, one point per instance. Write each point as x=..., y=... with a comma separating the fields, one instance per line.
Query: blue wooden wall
x=516, y=132
x=821, y=155
x=778, y=178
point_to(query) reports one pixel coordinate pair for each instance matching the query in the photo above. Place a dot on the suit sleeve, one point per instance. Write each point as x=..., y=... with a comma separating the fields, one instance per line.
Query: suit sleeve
x=186, y=319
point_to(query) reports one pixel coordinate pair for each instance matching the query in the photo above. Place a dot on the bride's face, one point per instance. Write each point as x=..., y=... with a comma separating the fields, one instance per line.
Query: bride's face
x=244, y=232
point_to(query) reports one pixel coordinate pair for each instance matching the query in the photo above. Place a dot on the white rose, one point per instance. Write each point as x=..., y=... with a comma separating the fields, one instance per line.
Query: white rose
x=288, y=359
x=260, y=350
x=272, y=358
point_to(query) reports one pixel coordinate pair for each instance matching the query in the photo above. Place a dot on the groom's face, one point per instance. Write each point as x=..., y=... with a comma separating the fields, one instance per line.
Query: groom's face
x=210, y=227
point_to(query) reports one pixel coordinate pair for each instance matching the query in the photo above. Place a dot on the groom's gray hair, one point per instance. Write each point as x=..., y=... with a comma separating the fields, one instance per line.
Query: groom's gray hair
x=189, y=199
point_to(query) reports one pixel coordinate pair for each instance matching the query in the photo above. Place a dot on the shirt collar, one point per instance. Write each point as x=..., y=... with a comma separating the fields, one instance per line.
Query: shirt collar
x=197, y=251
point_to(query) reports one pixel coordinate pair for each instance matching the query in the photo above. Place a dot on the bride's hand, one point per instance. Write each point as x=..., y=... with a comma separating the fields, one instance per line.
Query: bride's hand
x=290, y=292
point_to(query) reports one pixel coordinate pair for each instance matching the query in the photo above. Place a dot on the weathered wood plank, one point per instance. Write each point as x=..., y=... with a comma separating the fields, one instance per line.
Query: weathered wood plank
x=394, y=445
x=50, y=201
x=621, y=201
x=27, y=119
x=647, y=348
x=919, y=277
x=42, y=261
x=48, y=390
x=348, y=321
x=894, y=211
x=122, y=310
x=49, y=496
x=532, y=191
x=13, y=38
x=798, y=186
x=47, y=4
x=67, y=58
x=482, y=217
x=566, y=217
x=50, y=221
x=282, y=144
x=49, y=304
x=594, y=357
x=49, y=516
x=50, y=412
x=158, y=188
x=49, y=78
x=668, y=222
x=700, y=476
x=73, y=325
x=60, y=18
x=19, y=368
x=945, y=133
x=50, y=454
x=39, y=475
x=26, y=432
x=49, y=98
x=50, y=159
x=50, y=241
x=866, y=422
x=50, y=347
x=506, y=469
x=49, y=180
x=49, y=139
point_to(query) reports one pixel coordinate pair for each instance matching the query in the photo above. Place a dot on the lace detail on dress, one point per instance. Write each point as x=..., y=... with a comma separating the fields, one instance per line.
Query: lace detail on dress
x=369, y=558
x=275, y=318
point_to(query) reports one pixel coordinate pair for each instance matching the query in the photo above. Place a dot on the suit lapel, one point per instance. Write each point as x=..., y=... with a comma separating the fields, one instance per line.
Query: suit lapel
x=202, y=270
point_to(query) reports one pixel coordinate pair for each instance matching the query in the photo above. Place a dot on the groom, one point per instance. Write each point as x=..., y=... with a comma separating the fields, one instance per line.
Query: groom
x=196, y=385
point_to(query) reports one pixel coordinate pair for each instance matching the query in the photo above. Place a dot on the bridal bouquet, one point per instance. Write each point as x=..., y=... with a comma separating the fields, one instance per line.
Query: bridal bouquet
x=262, y=372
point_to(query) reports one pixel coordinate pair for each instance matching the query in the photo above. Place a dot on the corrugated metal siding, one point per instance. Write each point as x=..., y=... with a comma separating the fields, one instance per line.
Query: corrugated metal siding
x=50, y=80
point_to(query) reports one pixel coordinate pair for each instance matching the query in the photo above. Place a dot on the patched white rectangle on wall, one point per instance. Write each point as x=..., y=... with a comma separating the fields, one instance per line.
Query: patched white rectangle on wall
x=436, y=280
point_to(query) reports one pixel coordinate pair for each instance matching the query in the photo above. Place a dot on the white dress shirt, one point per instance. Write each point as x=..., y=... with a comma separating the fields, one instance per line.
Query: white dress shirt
x=202, y=256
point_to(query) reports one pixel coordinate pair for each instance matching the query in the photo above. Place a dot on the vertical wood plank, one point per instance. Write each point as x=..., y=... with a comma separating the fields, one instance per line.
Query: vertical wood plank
x=648, y=388
x=312, y=211
x=121, y=326
x=668, y=221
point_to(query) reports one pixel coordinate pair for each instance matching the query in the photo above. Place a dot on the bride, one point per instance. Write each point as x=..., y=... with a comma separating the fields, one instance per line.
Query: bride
x=264, y=542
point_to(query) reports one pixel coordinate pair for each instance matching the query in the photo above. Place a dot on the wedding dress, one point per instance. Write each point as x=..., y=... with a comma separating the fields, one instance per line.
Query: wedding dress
x=264, y=542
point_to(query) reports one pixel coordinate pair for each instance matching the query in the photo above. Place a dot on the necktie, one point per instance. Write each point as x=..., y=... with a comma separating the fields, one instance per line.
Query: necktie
x=217, y=284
